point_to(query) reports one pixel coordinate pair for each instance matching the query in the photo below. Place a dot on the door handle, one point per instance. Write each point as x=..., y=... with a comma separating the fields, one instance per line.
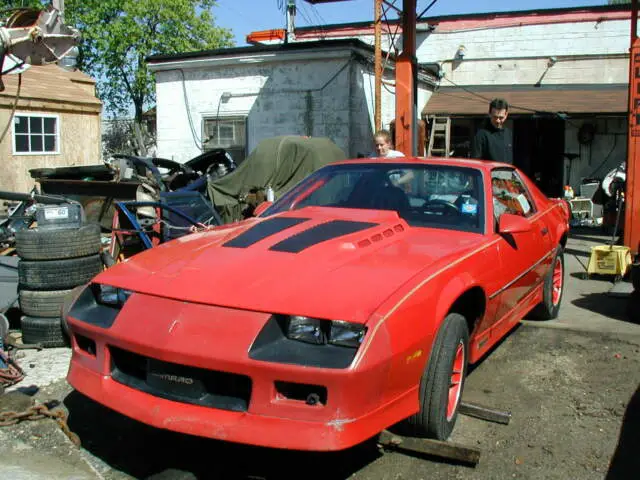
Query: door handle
x=544, y=231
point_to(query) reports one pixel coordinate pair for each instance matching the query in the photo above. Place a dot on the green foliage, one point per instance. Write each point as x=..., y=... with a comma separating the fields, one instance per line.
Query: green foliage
x=118, y=35
x=618, y=2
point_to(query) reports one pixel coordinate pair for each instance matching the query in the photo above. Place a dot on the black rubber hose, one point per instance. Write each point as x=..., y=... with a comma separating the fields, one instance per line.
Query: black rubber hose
x=46, y=199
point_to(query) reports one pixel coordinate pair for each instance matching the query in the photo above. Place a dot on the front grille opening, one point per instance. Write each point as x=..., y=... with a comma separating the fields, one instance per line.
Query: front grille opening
x=86, y=344
x=309, y=394
x=181, y=383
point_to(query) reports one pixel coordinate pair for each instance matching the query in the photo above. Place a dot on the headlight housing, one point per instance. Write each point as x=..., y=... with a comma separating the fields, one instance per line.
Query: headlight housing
x=110, y=296
x=322, y=332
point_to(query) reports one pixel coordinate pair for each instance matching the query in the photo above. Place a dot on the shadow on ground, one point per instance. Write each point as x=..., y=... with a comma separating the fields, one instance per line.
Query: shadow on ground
x=625, y=463
x=605, y=305
x=149, y=453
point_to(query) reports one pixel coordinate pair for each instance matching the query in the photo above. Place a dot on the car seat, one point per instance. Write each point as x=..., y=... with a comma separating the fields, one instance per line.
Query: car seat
x=390, y=197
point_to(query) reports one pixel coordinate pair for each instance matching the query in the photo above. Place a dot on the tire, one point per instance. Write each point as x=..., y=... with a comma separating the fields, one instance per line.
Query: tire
x=633, y=307
x=34, y=244
x=443, y=380
x=552, y=290
x=45, y=331
x=635, y=276
x=42, y=303
x=58, y=274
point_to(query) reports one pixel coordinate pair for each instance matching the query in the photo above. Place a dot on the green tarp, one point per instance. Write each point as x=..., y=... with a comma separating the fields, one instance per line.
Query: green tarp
x=280, y=162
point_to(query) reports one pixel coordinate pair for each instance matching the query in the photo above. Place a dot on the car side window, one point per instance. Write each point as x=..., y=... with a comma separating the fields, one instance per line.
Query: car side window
x=509, y=194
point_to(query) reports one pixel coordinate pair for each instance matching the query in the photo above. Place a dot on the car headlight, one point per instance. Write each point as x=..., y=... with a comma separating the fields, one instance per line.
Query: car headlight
x=346, y=334
x=321, y=332
x=111, y=296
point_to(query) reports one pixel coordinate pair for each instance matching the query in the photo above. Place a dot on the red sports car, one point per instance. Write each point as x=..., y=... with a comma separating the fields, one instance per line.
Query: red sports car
x=354, y=302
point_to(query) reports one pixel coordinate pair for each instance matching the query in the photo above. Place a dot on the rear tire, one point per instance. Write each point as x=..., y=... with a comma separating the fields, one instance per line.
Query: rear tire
x=552, y=290
x=443, y=380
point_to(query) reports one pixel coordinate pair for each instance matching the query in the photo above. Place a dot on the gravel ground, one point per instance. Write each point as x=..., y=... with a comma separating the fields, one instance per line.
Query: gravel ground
x=567, y=391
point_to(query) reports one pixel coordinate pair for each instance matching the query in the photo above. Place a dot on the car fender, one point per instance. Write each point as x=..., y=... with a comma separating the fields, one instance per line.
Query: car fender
x=451, y=291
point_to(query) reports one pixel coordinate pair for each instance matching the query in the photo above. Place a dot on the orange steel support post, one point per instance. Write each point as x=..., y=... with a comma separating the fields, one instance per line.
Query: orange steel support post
x=632, y=196
x=377, y=15
x=406, y=72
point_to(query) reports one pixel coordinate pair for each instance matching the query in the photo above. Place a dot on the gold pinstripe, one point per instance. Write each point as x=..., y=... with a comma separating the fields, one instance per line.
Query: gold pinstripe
x=429, y=278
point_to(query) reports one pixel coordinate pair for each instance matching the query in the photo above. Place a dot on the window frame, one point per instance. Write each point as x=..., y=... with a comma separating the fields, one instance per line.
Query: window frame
x=288, y=201
x=534, y=208
x=220, y=119
x=42, y=116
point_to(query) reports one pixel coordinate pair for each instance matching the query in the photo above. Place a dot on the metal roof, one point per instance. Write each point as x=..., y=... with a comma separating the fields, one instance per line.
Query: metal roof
x=571, y=99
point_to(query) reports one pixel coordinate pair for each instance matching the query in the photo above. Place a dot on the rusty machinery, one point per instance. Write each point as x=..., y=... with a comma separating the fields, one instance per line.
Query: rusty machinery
x=35, y=37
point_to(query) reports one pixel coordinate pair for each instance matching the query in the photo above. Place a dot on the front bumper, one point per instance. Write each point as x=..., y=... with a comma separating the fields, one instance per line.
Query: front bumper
x=355, y=407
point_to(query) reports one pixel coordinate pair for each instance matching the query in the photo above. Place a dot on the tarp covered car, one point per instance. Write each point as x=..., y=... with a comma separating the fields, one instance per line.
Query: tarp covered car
x=278, y=162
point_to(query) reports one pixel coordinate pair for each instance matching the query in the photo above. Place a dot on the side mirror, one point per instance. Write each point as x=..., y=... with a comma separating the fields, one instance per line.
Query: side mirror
x=510, y=223
x=261, y=208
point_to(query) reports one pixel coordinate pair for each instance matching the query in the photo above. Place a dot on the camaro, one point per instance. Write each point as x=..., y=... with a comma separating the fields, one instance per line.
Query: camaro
x=353, y=303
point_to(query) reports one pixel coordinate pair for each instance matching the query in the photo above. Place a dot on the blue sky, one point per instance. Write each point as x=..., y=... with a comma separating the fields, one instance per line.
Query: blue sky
x=245, y=16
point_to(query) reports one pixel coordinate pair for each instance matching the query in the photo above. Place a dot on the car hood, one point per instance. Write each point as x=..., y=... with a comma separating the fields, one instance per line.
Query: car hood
x=322, y=262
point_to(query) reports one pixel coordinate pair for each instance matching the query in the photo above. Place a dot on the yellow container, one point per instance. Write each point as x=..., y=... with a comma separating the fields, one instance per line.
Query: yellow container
x=609, y=260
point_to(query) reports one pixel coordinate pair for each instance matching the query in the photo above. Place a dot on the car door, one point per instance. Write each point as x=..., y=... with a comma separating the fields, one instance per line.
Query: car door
x=523, y=255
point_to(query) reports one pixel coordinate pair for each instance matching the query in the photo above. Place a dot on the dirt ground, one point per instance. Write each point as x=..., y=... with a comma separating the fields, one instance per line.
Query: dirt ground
x=568, y=393
x=573, y=393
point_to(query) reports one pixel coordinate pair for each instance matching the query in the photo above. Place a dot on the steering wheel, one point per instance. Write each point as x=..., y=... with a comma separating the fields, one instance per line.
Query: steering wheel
x=449, y=207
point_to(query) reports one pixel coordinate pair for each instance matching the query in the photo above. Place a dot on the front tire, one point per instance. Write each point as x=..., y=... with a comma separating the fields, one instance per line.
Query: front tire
x=552, y=290
x=443, y=380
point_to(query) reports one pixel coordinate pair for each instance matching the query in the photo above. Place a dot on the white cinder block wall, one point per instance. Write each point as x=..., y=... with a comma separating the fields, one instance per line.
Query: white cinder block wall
x=331, y=97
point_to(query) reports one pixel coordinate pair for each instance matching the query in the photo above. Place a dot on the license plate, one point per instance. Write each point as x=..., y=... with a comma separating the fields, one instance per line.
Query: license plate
x=173, y=379
x=56, y=213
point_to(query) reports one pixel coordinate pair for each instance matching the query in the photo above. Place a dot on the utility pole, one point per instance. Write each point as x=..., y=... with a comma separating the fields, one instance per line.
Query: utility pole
x=291, y=16
x=377, y=8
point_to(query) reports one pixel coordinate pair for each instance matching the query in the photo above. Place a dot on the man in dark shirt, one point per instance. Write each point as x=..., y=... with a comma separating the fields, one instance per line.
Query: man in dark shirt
x=494, y=141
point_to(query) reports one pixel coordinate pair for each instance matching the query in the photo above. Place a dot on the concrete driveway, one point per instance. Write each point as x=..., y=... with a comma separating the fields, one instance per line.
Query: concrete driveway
x=567, y=382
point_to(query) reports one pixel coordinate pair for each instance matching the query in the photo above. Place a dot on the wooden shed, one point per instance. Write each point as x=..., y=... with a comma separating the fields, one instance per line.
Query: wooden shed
x=48, y=118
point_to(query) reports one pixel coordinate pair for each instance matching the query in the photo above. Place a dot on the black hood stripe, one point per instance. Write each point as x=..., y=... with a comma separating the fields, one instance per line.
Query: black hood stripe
x=263, y=230
x=319, y=233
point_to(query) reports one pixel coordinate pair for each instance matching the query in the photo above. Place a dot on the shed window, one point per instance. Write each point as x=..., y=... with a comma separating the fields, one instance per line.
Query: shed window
x=35, y=134
x=228, y=133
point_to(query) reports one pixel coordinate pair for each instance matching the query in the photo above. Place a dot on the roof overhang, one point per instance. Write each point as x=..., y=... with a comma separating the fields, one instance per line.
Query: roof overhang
x=309, y=50
x=530, y=100
x=250, y=59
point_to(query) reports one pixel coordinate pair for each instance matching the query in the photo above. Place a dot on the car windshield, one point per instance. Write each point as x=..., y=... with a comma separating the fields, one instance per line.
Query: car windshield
x=438, y=196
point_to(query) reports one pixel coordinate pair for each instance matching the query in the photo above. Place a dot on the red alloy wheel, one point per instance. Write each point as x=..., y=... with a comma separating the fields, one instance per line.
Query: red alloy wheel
x=557, y=282
x=457, y=376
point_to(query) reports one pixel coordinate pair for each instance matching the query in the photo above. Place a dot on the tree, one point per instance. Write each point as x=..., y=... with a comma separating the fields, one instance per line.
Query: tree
x=118, y=35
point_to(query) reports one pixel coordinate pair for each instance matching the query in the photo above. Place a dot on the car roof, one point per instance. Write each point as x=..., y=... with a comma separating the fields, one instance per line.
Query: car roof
x=450, y=161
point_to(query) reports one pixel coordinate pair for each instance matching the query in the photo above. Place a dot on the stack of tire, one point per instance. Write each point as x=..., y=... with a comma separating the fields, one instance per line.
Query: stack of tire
x=52, y=263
